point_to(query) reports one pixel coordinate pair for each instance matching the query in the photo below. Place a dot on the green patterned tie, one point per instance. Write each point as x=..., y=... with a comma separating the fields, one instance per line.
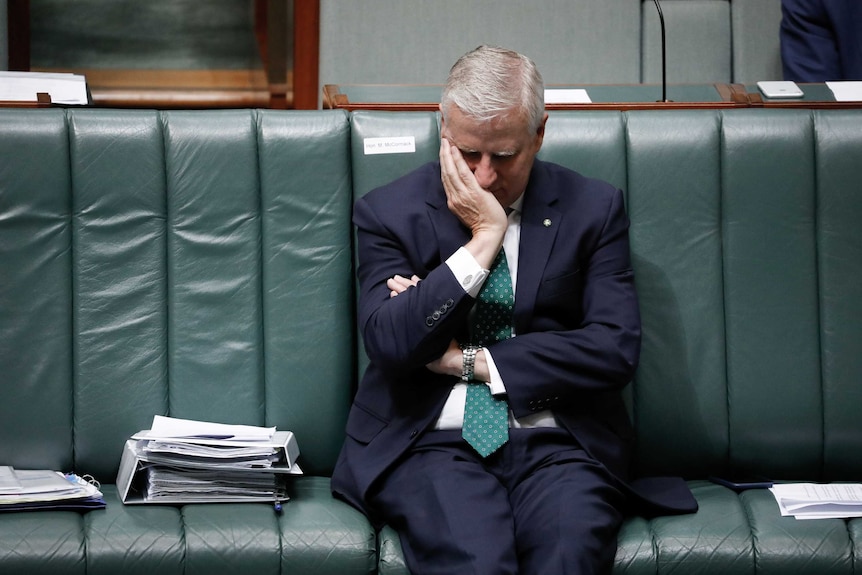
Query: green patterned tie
x=486, y=418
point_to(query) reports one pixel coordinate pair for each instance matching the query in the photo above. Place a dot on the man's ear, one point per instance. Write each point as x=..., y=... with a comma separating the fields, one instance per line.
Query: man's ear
x=540, y=131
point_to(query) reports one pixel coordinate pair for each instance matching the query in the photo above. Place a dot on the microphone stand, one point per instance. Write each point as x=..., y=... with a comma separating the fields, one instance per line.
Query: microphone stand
x=663, y=55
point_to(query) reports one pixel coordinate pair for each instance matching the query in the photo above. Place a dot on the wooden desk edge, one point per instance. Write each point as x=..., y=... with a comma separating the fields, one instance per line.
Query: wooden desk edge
x=732, y=96
x=43, y=100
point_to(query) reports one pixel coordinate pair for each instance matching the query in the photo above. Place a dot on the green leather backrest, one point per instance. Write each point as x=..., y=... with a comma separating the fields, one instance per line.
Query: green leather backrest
x=188, y=263
x=199, y=264
x=748, y=262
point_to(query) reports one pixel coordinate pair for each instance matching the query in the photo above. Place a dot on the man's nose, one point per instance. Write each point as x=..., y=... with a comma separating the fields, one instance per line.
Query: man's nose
x=485, y=172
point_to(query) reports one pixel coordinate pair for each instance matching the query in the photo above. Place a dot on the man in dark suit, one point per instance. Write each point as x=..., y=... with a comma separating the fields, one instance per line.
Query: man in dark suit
x=821, y=40
x=547, y=492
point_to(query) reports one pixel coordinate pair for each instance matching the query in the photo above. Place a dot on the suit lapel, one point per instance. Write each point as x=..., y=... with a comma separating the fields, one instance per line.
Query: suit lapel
x=540, y=222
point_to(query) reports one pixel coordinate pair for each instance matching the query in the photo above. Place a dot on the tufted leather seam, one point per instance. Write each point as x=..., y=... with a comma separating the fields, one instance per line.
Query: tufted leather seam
x=749, y=518
x=654, y=543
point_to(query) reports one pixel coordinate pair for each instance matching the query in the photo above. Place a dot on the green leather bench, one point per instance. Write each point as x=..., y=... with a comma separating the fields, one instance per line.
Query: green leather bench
x=199, y=264
x=196, y=264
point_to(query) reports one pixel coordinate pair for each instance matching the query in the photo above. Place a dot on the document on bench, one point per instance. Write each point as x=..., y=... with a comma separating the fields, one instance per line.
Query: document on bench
x=31, y=489
x=8, y=480
x=819, y=500
x=186, y=461
x=176, y=428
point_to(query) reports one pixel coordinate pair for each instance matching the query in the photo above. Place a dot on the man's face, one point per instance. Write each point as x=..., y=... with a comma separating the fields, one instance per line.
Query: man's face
x=500, y=153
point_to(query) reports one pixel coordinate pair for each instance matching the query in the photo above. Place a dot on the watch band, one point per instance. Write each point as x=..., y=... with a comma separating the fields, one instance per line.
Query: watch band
x=469, y=362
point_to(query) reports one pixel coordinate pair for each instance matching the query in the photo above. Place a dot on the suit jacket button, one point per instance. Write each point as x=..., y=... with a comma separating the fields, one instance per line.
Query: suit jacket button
x=428, y=321
x=435, y=316
x=414, y=433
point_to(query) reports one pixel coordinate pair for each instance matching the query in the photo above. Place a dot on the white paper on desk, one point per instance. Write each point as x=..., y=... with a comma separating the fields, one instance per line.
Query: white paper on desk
x=43, y=485
x=172, y=427
x=846, y=91
x=284, y=443
x=566, y=96
x=8, y=480
x=243, y=450
x=819, y=500
x=23, y=87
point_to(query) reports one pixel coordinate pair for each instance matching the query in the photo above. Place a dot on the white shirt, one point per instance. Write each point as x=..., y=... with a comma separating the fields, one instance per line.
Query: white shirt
x=472, y=276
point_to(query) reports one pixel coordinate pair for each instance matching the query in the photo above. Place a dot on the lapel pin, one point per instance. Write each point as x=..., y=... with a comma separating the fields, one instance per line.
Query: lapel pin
x=547, y=223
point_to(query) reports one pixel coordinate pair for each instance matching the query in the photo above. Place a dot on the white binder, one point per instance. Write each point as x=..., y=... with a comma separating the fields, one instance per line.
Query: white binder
x=133, y=475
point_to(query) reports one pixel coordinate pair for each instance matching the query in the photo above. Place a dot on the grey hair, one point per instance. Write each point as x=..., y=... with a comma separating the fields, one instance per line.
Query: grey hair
x=489, y=81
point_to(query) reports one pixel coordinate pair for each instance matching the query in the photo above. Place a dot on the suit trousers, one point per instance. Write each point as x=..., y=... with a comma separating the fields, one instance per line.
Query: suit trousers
x=538, y=506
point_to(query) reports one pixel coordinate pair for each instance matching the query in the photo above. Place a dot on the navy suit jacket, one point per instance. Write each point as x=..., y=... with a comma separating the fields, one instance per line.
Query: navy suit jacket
x=576, y=319
x=821, y=40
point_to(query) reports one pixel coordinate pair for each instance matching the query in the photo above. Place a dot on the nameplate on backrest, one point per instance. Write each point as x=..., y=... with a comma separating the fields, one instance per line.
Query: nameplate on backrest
x=390, y=145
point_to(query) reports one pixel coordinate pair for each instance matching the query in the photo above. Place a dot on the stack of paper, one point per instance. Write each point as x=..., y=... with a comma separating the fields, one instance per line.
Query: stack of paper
x=819, y=500
x=185, y=461
x=26, y=490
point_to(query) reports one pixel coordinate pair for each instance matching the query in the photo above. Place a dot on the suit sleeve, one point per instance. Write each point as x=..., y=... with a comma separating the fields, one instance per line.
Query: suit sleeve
x=552, y=368
x=408, y=331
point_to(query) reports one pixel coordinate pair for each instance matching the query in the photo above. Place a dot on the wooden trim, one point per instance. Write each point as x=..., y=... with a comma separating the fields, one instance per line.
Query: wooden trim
x=333, y=98
x=306, y=53
x=176, y=88
x=733, y=93
x=167, y=79
x=18, y=26
x=731, y=97
x=288, y=36
x=178, y=98
x=756, y=101
x=260, y=27
x=43, y=100
x=616, y=106
x=277, y=59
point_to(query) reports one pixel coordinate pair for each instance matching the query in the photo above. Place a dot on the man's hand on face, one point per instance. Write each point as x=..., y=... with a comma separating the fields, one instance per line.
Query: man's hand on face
x=476, y=207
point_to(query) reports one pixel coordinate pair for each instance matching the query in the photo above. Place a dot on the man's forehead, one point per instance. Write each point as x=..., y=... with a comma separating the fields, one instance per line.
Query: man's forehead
x=494, y=138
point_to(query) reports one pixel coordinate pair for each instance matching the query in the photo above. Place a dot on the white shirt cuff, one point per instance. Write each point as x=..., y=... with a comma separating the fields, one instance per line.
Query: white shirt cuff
x=496, y=384
x=467, y=271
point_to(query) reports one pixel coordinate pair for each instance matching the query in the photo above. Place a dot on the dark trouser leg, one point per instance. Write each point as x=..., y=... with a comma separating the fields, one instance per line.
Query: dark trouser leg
x=452, y=515
x=538, y=506
x=567, y=510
